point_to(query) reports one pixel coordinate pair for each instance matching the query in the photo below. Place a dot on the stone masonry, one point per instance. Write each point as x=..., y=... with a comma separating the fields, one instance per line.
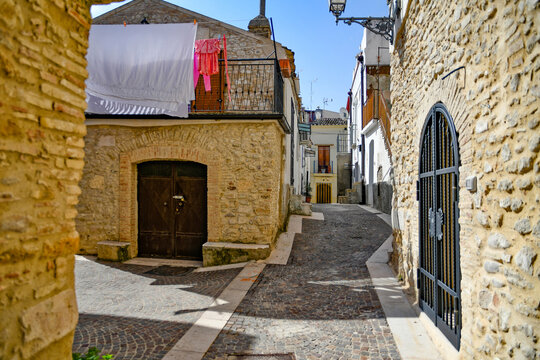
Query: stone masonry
x=247, y=190
x=494, y=102
x=42, y=69
x=243, y=186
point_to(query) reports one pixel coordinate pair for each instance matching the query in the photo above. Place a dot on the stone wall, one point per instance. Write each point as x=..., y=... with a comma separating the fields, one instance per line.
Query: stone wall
x=244, y=162
x=382, y=196
x=494, y=104
x=42, y=69
x=343, y=172
x=241, y=44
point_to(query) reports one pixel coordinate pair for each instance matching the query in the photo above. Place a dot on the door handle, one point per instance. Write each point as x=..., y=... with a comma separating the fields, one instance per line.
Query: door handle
x=179, y=197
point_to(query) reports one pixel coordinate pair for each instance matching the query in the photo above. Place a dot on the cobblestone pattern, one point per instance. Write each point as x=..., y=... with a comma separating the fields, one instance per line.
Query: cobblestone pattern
x=131, y=314
x=322, y=305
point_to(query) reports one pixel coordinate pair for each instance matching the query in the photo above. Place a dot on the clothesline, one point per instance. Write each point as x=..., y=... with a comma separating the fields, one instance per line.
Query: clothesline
x=149, y=69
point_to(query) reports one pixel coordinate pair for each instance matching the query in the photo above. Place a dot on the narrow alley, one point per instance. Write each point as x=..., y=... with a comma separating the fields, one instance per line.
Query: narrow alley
x=321, y=305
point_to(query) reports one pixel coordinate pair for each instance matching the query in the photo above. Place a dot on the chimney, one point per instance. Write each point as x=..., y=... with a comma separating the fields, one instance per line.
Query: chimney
x=260, y=24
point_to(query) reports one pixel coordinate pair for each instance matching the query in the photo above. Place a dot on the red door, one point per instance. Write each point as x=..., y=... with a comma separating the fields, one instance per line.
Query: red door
x=172, y=209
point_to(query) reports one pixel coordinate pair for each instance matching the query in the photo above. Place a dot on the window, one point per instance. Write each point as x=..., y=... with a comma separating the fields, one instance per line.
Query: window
x=343, y=143
x=324, y=159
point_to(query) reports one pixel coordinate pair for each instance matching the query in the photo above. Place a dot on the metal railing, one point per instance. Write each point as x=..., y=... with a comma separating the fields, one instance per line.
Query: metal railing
x=256, y=86
x=377, y=108
x=323, y=169
x=343, y=143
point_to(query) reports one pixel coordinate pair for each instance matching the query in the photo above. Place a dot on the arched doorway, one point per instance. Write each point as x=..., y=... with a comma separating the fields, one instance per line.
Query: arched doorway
x=439, y=273
x=172, y=209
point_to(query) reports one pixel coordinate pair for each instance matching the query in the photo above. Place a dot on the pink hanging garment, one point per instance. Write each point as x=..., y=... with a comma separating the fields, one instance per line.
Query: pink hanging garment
x=196, y=74
x=207, y=51
x=226, y=67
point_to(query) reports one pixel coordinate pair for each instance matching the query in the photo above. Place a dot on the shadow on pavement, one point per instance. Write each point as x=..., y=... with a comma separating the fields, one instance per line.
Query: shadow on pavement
x=130, y=338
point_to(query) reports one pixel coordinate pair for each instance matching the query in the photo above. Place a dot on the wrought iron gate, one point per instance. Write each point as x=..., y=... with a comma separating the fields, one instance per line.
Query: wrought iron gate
x=439, y=273
x=324, y=193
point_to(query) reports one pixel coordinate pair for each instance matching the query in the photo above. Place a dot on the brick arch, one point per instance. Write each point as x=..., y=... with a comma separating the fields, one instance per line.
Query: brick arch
x=127, y=204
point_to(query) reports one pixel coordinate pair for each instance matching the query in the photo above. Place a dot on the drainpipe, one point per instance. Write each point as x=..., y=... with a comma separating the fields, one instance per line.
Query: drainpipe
x=362, y=79
x=351, y=128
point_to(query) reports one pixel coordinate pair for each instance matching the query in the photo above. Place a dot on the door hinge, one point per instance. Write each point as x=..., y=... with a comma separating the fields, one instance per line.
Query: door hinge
x=418, y=278
x=417, y=190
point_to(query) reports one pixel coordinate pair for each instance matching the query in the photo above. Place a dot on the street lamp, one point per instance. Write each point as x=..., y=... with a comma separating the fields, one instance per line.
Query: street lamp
x=383, y=26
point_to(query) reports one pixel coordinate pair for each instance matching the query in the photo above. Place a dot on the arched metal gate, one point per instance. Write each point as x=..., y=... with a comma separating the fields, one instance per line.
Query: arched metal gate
x=439, y=273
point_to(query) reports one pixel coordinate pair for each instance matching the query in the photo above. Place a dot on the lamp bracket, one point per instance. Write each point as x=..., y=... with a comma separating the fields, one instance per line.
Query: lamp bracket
x=383, y=26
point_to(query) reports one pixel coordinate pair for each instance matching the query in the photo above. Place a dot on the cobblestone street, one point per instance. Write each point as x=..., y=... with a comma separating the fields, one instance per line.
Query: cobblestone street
x=321, y=305
x=133, y=312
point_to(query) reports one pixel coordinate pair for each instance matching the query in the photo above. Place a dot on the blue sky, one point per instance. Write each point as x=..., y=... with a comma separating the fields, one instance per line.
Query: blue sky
x=324, y=53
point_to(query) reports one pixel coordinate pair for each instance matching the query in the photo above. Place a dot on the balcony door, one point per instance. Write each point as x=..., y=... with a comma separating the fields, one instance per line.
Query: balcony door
x=324, y=159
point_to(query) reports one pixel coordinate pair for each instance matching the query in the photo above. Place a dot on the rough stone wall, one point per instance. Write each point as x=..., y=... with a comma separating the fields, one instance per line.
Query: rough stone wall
x=240, y=44
x=42, y=69
x=494, y=105
x=243, y=184
x=343, y=173
x=382, y=196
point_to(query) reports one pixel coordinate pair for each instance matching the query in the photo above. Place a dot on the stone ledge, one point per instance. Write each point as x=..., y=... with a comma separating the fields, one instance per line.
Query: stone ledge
x=222, y=253
x=113, y=250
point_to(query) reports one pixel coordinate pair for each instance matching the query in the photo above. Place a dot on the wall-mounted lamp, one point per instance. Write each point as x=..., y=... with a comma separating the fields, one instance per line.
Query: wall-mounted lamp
x=383, y=26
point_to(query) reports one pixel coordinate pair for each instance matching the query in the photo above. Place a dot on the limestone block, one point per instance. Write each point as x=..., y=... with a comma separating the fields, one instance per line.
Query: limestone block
x=221, y=253
x=49, y=321
x=525, y=258
x=113, y=250
x=97, y=182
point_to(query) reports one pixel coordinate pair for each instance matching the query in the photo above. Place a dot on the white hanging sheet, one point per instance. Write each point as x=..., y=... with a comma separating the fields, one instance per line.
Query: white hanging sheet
x=144, y=69
x=98, y=105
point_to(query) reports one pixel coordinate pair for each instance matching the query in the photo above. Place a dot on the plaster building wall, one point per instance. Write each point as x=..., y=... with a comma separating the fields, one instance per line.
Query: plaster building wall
x=42, y=103
x=356, y=116
x=493, y=98
x=374, y=72
x=378, y=169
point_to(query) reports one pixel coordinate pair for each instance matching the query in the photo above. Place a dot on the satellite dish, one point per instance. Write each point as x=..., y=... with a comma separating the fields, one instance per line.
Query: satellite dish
x=343, y=113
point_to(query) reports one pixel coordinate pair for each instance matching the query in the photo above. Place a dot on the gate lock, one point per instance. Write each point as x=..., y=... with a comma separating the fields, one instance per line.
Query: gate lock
x=180, y=203
x=436, y=221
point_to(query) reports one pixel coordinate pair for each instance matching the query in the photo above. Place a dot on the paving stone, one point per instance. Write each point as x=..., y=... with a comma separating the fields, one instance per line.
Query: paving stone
x=322, y=304
x=134, y=313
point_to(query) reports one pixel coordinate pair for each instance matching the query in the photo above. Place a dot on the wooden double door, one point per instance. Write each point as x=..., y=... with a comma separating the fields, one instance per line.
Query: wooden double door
x=172, y=209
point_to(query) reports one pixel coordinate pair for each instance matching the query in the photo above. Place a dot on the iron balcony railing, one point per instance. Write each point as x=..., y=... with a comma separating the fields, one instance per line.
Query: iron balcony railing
x=377, y=108
x=323, y=168
x=256, y=86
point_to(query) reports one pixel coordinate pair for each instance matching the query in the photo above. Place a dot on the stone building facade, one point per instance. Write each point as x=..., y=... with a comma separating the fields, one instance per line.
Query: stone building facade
x=42, y=70
x=480, y=60
x=246, y=155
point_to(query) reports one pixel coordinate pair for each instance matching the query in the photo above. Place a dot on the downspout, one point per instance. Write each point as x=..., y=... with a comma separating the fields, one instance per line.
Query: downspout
x=361, y=60
x=350, y=139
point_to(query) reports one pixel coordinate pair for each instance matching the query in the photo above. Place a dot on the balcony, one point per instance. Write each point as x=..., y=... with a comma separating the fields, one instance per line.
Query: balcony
x=256, y=87
x=323, y=168
x=376, y=107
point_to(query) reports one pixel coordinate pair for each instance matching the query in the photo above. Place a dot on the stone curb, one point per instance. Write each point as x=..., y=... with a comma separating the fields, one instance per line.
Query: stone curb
x=411, y=337
x=198, y=339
